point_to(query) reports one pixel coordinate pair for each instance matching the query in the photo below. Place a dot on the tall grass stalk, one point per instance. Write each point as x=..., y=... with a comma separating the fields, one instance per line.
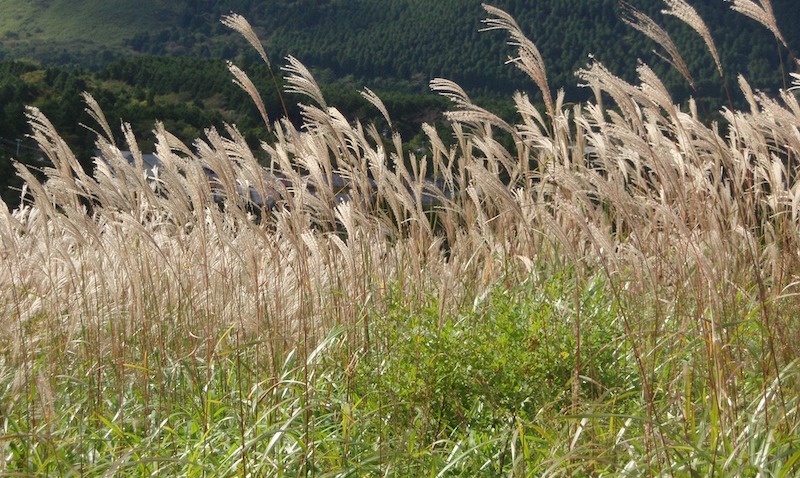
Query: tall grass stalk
x=607, y=288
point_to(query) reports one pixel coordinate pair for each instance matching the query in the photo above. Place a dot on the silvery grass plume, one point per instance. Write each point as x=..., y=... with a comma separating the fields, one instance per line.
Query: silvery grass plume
x=243, y=81
x=686, y=13
x=302, y=82
x=530, y=59
x=240, y=24
x=653, y=30
x=760, y=11
x=377, y=102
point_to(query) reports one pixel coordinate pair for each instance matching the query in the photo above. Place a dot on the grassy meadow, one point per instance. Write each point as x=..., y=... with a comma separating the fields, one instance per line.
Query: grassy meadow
x=58, y=23
x=598, y=289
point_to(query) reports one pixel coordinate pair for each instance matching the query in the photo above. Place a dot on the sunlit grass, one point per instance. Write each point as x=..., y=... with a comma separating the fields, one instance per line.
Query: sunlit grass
x=614, y=295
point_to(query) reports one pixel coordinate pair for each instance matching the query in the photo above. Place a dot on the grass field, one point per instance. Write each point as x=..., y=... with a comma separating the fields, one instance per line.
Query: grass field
x=63, y=25
x=614, y=294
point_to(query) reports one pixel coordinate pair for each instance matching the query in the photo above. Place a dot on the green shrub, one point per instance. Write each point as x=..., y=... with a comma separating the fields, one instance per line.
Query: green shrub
x=506, y=360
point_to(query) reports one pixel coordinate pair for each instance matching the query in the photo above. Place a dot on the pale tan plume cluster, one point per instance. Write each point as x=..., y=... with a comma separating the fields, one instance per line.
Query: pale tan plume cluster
x=602, y=182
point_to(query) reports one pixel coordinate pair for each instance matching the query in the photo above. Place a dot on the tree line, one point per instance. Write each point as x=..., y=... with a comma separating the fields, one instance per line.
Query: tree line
x=187, y=94
x=416, y=40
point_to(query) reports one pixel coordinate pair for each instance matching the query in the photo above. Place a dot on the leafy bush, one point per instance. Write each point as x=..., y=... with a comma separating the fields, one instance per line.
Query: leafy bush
x=514, y=354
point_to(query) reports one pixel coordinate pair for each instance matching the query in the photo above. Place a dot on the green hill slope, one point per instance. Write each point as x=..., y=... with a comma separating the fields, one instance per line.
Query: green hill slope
x=408, y=40
x=62, y=31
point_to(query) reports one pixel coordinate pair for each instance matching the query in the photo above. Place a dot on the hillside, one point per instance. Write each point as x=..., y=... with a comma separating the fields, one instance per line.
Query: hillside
x=90, y=31
x=402, y=43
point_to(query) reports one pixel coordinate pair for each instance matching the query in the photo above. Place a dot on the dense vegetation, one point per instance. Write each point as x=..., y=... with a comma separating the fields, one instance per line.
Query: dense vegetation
x=404, y=43
x=395, y=48
x=600, y=288
x=141, y=90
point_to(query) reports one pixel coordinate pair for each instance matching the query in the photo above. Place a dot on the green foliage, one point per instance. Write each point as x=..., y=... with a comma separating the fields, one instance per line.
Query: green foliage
x=511, y=357
x=438, y=393
x=404, y=41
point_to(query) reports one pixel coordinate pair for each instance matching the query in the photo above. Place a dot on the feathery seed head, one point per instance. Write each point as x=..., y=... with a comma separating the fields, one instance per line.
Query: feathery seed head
x=760, y=11
x=240, y=24
x=686, y=13
x=653, y=30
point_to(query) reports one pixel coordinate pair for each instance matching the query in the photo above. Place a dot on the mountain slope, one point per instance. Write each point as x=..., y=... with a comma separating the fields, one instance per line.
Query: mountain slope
x=54, y=30
x=408, y=40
